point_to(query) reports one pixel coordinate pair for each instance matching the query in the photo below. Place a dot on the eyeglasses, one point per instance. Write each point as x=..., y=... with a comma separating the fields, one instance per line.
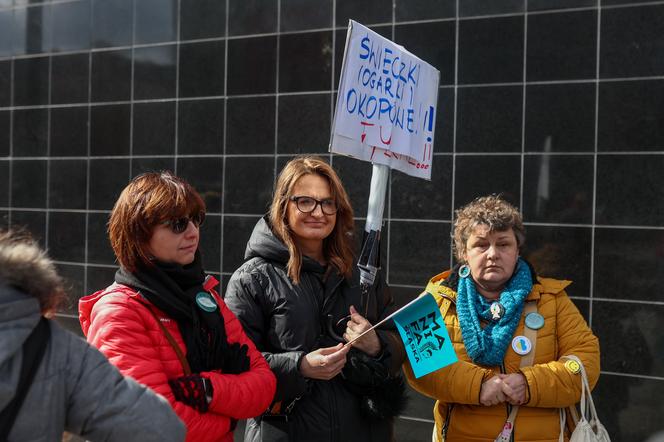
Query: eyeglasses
x=179, y=225
x=307, y=204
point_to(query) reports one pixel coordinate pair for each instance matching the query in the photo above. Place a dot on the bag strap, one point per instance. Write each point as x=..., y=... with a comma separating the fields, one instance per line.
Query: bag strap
x=174, y=344
x=526, y=361
x=33, y=352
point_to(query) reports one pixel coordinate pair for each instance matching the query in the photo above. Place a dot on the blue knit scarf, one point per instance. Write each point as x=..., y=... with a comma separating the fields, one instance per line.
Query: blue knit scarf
x=487, y=346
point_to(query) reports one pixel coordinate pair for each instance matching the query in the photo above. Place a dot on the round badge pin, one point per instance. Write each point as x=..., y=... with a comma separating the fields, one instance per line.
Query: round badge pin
x=497, y=311
x=521, y=345
x=206, y=302
x=573, y=366
x=534, y=321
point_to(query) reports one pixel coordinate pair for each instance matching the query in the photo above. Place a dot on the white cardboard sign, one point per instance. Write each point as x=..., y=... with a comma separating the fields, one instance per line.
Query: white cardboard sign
x=386, y=105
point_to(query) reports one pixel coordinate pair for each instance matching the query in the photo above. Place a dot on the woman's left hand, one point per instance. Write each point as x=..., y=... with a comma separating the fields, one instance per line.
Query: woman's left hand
x=514, y=388
x=357, y=324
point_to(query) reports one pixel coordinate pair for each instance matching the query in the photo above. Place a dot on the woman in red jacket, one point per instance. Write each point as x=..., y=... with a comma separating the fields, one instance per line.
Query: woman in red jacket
x=162, y=322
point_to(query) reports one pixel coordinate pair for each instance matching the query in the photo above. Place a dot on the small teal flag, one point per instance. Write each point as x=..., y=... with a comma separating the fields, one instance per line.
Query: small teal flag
x=424, y=335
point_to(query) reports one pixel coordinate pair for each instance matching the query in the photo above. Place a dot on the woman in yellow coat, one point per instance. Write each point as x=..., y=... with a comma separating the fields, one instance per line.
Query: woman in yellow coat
x=511, y=331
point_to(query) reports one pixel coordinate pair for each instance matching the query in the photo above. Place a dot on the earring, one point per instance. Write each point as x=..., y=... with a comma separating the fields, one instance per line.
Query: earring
x=464, y=271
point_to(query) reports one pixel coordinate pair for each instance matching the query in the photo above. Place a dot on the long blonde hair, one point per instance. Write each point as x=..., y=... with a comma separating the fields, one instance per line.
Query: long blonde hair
x=338, y=246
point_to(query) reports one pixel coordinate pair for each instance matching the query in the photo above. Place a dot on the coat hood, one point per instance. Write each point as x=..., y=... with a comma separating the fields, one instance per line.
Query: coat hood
x=264, y=244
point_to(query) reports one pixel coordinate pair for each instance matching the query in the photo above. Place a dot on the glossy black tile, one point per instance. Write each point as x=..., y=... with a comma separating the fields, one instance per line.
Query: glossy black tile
x=202, y=19
x=407, y=263
x=142, y=165
x=639, y=250
x=107, y=179
x=252, y=16
x=200, y=127
x=638, y=327
x=444, y=127
x=630, y=190
x=111, y=75
x=469, y=8
x=99, y=247
x=560, y=117
x=68, y=182
x=206, y=175
x=630, y=116
x=33, y=221
x=30, y=134
x=250, y=125
x=248, y=186
x=99, y=278
x=366, y=12
x=201, y=69
x=480, y=175
x=69, y=78
x=28, y=185
x=69, y=131
x=491, y=50
x=5, y=83
x=73, y=277
x=558, y=188
x=4, y=186
x=297, y=15
x=109, y=130
x=561, y=46
x=408, y=10
x=632, y=42
x=156, y=21
x=31, y=81
x=5, y=123
x=562, y=253
x=4, y=218
x=33, y=30
x=415, y=198
x=154, y=128
x=413, y=430
x=489, y=119
x=66, y=236
x=542, y=5
x=237, y=230
x=356, y=177
x=314, y=75
x=252, y=65
x=433, y=43
x=210, y=243
x=637, y=395
x=112, y=22
x=296, y=136
x=154, y=72
x=71, y=26
x=6, y=33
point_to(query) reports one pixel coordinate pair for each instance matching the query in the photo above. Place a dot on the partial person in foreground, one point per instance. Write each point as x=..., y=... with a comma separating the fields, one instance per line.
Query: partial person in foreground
x=52, y=381
x=162, y=322
x=498, y=311
x=299, y=299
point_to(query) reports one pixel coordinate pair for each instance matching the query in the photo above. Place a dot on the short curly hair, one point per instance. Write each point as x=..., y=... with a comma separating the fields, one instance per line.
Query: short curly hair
x=492, y=211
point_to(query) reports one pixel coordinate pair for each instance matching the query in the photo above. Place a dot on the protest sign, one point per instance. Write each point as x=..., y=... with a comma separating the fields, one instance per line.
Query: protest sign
x=386, y=104
x=425, y=336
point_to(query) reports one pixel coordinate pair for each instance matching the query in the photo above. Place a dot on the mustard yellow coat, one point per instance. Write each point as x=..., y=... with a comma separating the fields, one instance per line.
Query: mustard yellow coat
x=550, y=384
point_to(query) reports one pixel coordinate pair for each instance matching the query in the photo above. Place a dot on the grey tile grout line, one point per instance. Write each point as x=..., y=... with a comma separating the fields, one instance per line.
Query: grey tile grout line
x=132, y=80
x=224, y=157
x=327, y=91
x=48, y=161
x=10, y=167
x=276, y=100
x=88, y=178
x=454, y=129
x=176, y=112
x=594, y=203
x=524, y=77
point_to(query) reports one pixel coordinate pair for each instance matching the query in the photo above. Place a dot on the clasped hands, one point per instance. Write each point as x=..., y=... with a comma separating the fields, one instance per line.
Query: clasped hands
x=504, y=388
x=326, y=363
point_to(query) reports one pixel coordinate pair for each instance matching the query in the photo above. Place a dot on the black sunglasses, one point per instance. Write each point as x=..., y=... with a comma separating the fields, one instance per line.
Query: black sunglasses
x=179, y=225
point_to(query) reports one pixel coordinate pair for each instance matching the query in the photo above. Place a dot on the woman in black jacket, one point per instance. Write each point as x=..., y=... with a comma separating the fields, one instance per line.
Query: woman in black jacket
x=298, y=297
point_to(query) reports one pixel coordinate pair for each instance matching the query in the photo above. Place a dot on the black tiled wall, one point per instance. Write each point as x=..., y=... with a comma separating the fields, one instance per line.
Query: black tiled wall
x=557, y=104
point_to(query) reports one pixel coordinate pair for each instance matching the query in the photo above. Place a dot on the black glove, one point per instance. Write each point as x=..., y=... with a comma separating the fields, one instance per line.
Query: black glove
x=190, y=390
x=236, y=360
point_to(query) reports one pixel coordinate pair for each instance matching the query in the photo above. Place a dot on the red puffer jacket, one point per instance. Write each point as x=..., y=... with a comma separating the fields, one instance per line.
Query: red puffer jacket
x=117, y=321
